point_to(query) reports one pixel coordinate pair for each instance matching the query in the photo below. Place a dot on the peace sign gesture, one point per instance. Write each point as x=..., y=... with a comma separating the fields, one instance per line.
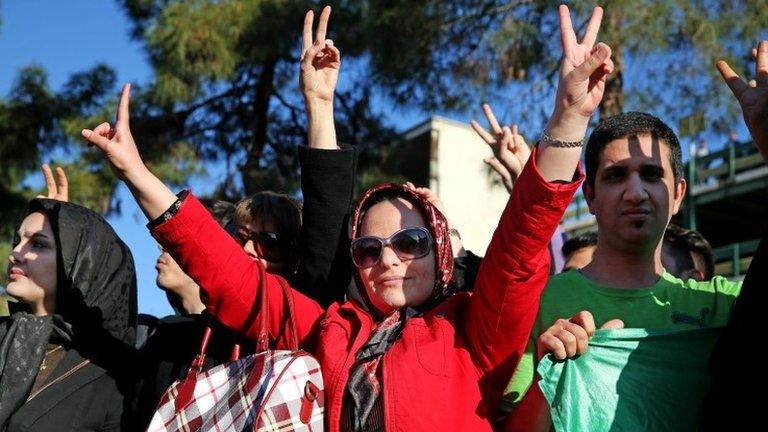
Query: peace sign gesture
x=320, y=60
x=584, y=66
x=58, y=189
x=116, y=141
x=752, y=96
x=509, y=148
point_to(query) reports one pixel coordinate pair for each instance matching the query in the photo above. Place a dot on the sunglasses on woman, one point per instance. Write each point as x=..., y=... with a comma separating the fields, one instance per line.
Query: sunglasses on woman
x=408, y=244
x=267, y=244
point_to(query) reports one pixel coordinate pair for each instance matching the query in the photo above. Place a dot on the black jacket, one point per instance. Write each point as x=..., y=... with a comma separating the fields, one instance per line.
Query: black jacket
x=81, y=396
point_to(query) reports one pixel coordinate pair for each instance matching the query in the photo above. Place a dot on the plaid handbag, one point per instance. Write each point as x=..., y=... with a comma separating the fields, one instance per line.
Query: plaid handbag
x=273, y=390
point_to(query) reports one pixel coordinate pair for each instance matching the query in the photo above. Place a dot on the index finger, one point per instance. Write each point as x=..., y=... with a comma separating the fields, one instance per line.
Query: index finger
x=49, y=182
x=309, y=18
x=492, y=122
x=590, y=35
x=567, y=36
x=63, y=184
x=585, y=320
x=123, y=106
x=735, y=83
x=761, y=63
x=322, y=25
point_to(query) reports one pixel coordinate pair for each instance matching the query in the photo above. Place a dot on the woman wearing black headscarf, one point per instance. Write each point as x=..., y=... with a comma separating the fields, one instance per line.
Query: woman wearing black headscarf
x=63, y=348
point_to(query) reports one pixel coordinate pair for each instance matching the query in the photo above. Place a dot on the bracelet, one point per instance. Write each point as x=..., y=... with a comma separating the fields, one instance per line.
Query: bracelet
x=554, y=142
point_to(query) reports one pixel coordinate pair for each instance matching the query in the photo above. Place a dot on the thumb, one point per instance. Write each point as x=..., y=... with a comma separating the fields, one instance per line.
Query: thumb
x=613, y=324
x=600, y=54
x=93, y=138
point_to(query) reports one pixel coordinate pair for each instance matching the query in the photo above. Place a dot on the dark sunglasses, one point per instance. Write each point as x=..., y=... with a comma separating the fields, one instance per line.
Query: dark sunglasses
x=267, y=244
x=408, y=244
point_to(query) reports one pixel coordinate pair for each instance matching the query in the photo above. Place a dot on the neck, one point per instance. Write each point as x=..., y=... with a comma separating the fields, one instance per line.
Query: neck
x=190, y=300
x=625, y=268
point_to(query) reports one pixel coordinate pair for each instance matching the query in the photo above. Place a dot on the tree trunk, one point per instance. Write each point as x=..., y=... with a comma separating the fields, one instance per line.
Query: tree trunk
x=613, y=98
x=251, y=171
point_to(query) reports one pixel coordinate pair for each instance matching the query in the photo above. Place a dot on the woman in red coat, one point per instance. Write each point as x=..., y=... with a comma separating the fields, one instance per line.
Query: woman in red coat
x=406, y=355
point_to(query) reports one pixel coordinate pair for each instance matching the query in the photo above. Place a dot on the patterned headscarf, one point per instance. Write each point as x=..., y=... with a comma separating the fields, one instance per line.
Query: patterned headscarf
x=437, y=225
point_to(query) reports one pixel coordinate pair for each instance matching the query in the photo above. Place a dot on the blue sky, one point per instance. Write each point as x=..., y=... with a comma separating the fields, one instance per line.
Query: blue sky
x=70, y=36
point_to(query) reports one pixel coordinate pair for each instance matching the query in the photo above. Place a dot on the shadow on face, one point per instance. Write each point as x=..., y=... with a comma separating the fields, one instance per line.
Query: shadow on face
x=392, y=282
x=32, y=267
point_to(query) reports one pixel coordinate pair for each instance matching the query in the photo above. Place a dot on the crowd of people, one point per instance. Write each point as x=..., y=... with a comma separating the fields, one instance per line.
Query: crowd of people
x=618, y=329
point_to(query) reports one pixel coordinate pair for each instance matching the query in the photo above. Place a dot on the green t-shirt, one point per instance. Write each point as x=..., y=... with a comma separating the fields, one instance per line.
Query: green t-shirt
x=631, y=380
x=669, y=304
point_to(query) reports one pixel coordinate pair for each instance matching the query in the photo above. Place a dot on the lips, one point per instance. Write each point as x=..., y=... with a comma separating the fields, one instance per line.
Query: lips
x=389, y=281
x=15, y=273
x=636, y=212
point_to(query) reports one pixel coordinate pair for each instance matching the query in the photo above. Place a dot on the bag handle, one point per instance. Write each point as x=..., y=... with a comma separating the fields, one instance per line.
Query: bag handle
x=292, y=338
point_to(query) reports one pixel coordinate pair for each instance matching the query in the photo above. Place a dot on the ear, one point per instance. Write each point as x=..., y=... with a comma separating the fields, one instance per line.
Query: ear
x=589, y=195
x=680, y=189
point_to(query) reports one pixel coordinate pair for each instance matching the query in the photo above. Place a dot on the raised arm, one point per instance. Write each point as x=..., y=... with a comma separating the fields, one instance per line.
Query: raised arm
x=752, y=96
x=230, y=281
x=320, y=63
x=583, y=71
x=516, y=266
x=118, y=146
x=327, y=174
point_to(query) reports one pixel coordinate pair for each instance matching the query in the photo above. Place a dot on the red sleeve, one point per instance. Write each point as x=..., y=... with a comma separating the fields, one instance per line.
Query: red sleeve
x=230, y=280
x=513, y=273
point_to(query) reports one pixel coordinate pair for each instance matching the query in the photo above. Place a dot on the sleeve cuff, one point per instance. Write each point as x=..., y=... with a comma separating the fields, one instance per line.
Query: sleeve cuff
x=171, y=212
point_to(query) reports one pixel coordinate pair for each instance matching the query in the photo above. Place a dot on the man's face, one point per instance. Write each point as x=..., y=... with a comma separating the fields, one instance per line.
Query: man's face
x=635, y=194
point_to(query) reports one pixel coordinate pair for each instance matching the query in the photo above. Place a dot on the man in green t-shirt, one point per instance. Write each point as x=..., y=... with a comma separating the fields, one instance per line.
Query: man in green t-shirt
x=634, y=185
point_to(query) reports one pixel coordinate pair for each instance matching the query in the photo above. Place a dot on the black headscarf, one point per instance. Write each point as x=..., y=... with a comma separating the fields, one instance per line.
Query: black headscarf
x=95, y=302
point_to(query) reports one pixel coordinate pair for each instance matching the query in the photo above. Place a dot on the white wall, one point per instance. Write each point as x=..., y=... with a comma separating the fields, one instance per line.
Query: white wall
x=460, y=177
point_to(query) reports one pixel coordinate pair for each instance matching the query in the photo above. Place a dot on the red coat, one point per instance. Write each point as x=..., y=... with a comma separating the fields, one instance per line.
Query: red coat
x=450, y=366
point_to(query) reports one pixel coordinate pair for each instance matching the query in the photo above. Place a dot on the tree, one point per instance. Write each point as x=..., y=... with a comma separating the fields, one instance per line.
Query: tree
x=225, y=80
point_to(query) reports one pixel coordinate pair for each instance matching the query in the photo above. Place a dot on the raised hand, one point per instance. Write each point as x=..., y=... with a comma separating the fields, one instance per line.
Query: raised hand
x=320, y=60
x=752, y=95
x=116, y=142
x=510, y=151
x=584, y=67
x=427, y=194
x=58, y=189
x=580, y=89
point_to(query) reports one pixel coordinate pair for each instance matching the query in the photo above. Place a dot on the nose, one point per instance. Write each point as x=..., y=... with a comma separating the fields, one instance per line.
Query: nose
x=16, y=256
x=389, y=258
x=635, y=189
x=250, y=250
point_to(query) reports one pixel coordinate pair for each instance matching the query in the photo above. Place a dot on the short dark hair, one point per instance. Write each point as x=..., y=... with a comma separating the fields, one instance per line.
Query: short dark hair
x=625, y=125
x=281, y=209
x=222, y=211
x=685, y=243
x=580, y=241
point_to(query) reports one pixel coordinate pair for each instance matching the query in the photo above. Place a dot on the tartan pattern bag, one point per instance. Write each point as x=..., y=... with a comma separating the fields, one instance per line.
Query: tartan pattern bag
x=272, y=390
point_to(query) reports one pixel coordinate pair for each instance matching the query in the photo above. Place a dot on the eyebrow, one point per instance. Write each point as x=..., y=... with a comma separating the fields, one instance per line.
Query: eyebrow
x=37, y=235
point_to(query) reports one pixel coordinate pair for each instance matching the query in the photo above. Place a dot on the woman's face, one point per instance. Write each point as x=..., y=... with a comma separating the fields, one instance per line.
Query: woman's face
x=261, y=240
x=393, y=283
x=32, y=265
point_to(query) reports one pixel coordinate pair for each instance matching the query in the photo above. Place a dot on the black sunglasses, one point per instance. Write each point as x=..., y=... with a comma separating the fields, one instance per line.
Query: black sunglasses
x=267, y=244
x=408, y=244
